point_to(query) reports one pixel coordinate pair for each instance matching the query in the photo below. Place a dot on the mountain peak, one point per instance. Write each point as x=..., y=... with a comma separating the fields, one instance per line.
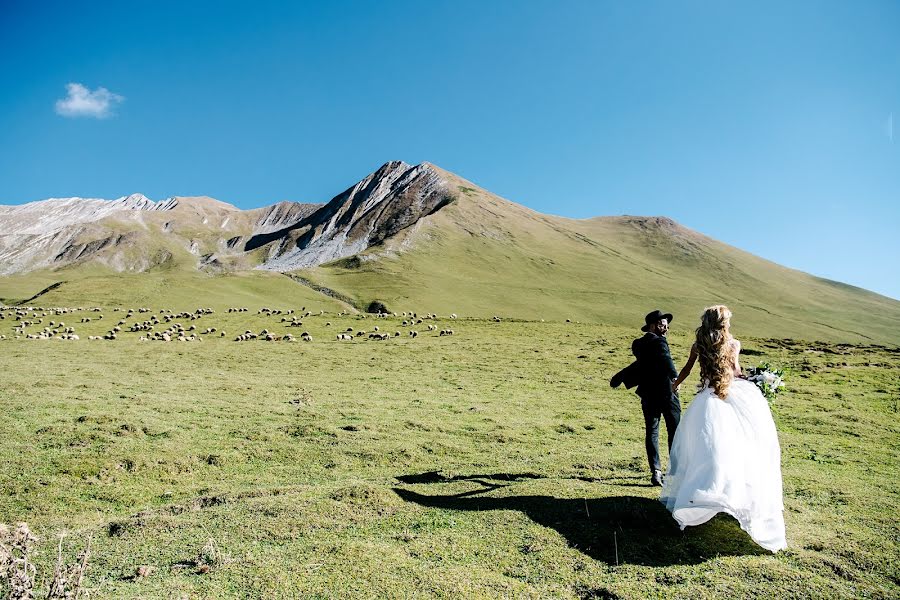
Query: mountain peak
x=393, y=164
x=392, y=198
x=135, y=202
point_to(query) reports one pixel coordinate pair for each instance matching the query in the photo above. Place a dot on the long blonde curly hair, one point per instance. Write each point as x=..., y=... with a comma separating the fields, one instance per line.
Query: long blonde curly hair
x=715, y=350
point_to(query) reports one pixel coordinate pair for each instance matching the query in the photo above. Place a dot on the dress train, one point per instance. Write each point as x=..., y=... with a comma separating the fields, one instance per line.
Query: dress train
x=726, y=458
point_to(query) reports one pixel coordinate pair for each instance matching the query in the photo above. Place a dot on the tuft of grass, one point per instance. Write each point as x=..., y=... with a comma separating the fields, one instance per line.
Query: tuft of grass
x=19, y=575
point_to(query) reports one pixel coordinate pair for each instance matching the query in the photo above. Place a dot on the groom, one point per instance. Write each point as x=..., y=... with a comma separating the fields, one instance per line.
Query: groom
x=653, y=372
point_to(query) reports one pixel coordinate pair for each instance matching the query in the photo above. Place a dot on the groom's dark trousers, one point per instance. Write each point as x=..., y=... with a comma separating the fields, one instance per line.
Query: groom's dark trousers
x=655, y=374
x=671, y=412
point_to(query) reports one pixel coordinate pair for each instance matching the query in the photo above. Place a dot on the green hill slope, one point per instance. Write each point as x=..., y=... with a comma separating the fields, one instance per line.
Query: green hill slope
x=178, y=289
x=483, y=255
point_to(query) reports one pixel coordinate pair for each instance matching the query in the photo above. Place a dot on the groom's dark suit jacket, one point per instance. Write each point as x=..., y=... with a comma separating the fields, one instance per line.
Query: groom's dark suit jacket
x=652, y=371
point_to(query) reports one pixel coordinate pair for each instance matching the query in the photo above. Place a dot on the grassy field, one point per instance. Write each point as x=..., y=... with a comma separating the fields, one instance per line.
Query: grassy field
x=495, y=462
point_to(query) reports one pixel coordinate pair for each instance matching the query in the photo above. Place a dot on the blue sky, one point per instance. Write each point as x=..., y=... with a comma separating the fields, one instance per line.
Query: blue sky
x=768, y=125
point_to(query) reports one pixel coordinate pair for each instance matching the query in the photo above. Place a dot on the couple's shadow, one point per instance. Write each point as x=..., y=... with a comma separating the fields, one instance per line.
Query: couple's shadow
x=614, y=529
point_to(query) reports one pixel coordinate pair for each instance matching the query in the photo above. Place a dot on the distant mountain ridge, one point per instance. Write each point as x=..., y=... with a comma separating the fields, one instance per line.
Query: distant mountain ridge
x=133, y=233
x=60, y=232
x=45, y=216
x=420, y=237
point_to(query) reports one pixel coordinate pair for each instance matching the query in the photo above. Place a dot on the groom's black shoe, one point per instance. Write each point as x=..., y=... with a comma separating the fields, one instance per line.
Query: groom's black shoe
x=657, y=478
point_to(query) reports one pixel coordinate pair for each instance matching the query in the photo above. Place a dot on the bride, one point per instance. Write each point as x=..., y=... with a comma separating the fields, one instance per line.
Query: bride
x=725, y=456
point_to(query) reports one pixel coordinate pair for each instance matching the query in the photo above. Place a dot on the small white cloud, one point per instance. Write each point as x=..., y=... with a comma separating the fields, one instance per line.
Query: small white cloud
x=82, y=102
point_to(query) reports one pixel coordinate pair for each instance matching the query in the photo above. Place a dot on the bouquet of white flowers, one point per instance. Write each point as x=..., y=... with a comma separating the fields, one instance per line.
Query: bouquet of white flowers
x=768, y=379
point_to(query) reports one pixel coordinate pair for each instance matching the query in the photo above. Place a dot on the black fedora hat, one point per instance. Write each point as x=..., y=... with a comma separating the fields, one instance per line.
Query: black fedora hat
x=655, y=316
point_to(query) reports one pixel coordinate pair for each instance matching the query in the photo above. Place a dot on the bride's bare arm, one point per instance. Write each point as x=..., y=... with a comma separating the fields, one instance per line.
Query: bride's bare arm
x=738, y=372
x=687, y=367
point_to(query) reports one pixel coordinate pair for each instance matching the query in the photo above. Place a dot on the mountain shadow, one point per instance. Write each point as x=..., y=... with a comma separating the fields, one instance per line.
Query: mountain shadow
x=615, y=530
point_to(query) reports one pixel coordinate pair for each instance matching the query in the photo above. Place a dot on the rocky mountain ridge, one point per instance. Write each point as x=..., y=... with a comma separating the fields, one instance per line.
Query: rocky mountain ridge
x=381, y=205
x=134, y=233
x=53, y=214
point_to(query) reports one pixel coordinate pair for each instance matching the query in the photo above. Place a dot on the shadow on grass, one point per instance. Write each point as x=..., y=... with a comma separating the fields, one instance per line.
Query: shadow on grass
x=436, y=477
x=615, y=530
x=628, y=481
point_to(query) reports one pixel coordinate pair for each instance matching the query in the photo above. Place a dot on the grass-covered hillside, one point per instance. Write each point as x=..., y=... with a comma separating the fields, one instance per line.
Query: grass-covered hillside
x=162, y=288
x=494, y=462
x=483, y=255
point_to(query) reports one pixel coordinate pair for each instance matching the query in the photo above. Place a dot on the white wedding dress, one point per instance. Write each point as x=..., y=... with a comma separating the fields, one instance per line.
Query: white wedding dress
x=726, y=458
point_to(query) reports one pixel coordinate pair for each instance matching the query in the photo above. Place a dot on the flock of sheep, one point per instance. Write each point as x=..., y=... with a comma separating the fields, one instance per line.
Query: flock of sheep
x=29, y=316
x=166, y=324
